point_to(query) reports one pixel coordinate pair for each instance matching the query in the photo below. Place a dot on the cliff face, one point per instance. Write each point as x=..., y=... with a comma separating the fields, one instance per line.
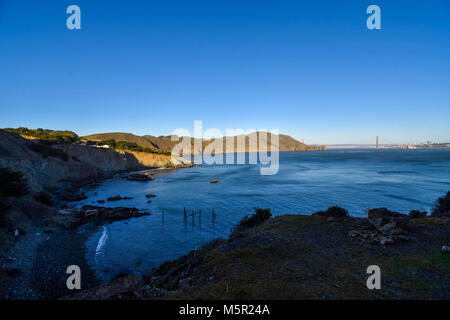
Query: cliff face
x=84, y=164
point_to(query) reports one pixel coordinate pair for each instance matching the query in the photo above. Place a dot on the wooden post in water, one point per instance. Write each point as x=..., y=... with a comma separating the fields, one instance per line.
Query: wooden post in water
x=200, y=216
x=193, y=217
x=212, y=215
x=163, y=215
x=185, y=217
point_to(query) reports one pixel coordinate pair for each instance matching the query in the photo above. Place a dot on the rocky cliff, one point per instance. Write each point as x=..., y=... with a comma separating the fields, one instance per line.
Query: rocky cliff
x=84, y=164
x=47, y=172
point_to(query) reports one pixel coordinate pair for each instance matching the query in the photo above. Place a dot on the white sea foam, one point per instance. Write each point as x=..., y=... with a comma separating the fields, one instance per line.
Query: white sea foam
x=101, y=244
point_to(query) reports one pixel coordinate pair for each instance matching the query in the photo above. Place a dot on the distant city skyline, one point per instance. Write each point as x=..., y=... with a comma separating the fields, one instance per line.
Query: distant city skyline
x=311, y=69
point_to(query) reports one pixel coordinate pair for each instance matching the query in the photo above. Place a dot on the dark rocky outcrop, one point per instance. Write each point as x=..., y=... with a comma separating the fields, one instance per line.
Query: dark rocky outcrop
x=93, y=164
x=143, y=177
x=118, y=197
x=388, y=222
x=385, y=227
x=112, y=214
x=114, y=198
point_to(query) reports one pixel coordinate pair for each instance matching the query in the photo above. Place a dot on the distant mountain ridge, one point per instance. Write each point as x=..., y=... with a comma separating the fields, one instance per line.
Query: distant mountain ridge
x=164, y=143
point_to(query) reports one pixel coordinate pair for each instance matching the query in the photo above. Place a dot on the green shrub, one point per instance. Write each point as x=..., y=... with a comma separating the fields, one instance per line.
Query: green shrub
x=255, y=219
x=442, y=206
x=334, y=211
x=12, y=183
x=131, y=146
x=109, y=142
x=44, y=198
x=47, y=151
x=90, y=143
x=50, y=136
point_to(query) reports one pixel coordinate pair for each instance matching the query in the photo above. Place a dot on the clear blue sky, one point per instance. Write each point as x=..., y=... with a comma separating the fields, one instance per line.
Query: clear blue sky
x=310, y=68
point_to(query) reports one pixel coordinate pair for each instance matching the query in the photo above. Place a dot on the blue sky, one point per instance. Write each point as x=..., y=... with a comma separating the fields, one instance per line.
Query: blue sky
x=310, y=68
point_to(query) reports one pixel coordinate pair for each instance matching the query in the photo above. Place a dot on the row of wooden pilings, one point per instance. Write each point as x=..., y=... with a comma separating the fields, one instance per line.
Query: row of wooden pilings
x=193, y=214
x=199, y=215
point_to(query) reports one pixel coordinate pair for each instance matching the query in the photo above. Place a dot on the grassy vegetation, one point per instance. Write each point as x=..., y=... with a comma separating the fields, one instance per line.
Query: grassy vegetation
x=411, y=273
x=131, y=146
x=308, y=257
x=120, y=136
x=46, y=135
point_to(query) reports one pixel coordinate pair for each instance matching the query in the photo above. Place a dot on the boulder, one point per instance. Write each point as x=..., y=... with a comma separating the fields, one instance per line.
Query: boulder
x=377, y=238
x=114, y=198
x=117, y=198
x=112, y=214
x=388, y=222
x=140, y=177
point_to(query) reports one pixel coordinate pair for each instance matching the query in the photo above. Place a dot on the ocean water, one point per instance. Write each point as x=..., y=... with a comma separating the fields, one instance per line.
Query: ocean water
x=356, y=179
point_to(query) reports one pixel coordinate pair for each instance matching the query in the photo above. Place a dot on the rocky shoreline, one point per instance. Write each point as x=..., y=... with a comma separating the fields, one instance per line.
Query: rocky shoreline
x=320, y=256
x=34, y=215
x=42, y=258
x=307, y=243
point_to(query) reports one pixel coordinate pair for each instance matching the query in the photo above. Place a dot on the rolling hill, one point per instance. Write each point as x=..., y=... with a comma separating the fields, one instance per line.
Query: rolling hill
x=164, y=143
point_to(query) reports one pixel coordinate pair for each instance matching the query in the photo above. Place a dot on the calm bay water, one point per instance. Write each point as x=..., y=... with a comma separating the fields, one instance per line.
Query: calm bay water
x=356, y=179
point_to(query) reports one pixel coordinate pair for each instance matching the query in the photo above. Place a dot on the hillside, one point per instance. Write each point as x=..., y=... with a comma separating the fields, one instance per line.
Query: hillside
x=121, y=136
x=313, y=256
x=60, y=165
x=33, y=175
x=164, y=143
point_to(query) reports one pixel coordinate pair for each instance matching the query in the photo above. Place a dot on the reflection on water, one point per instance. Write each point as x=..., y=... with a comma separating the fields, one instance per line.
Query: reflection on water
x=306, y=182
